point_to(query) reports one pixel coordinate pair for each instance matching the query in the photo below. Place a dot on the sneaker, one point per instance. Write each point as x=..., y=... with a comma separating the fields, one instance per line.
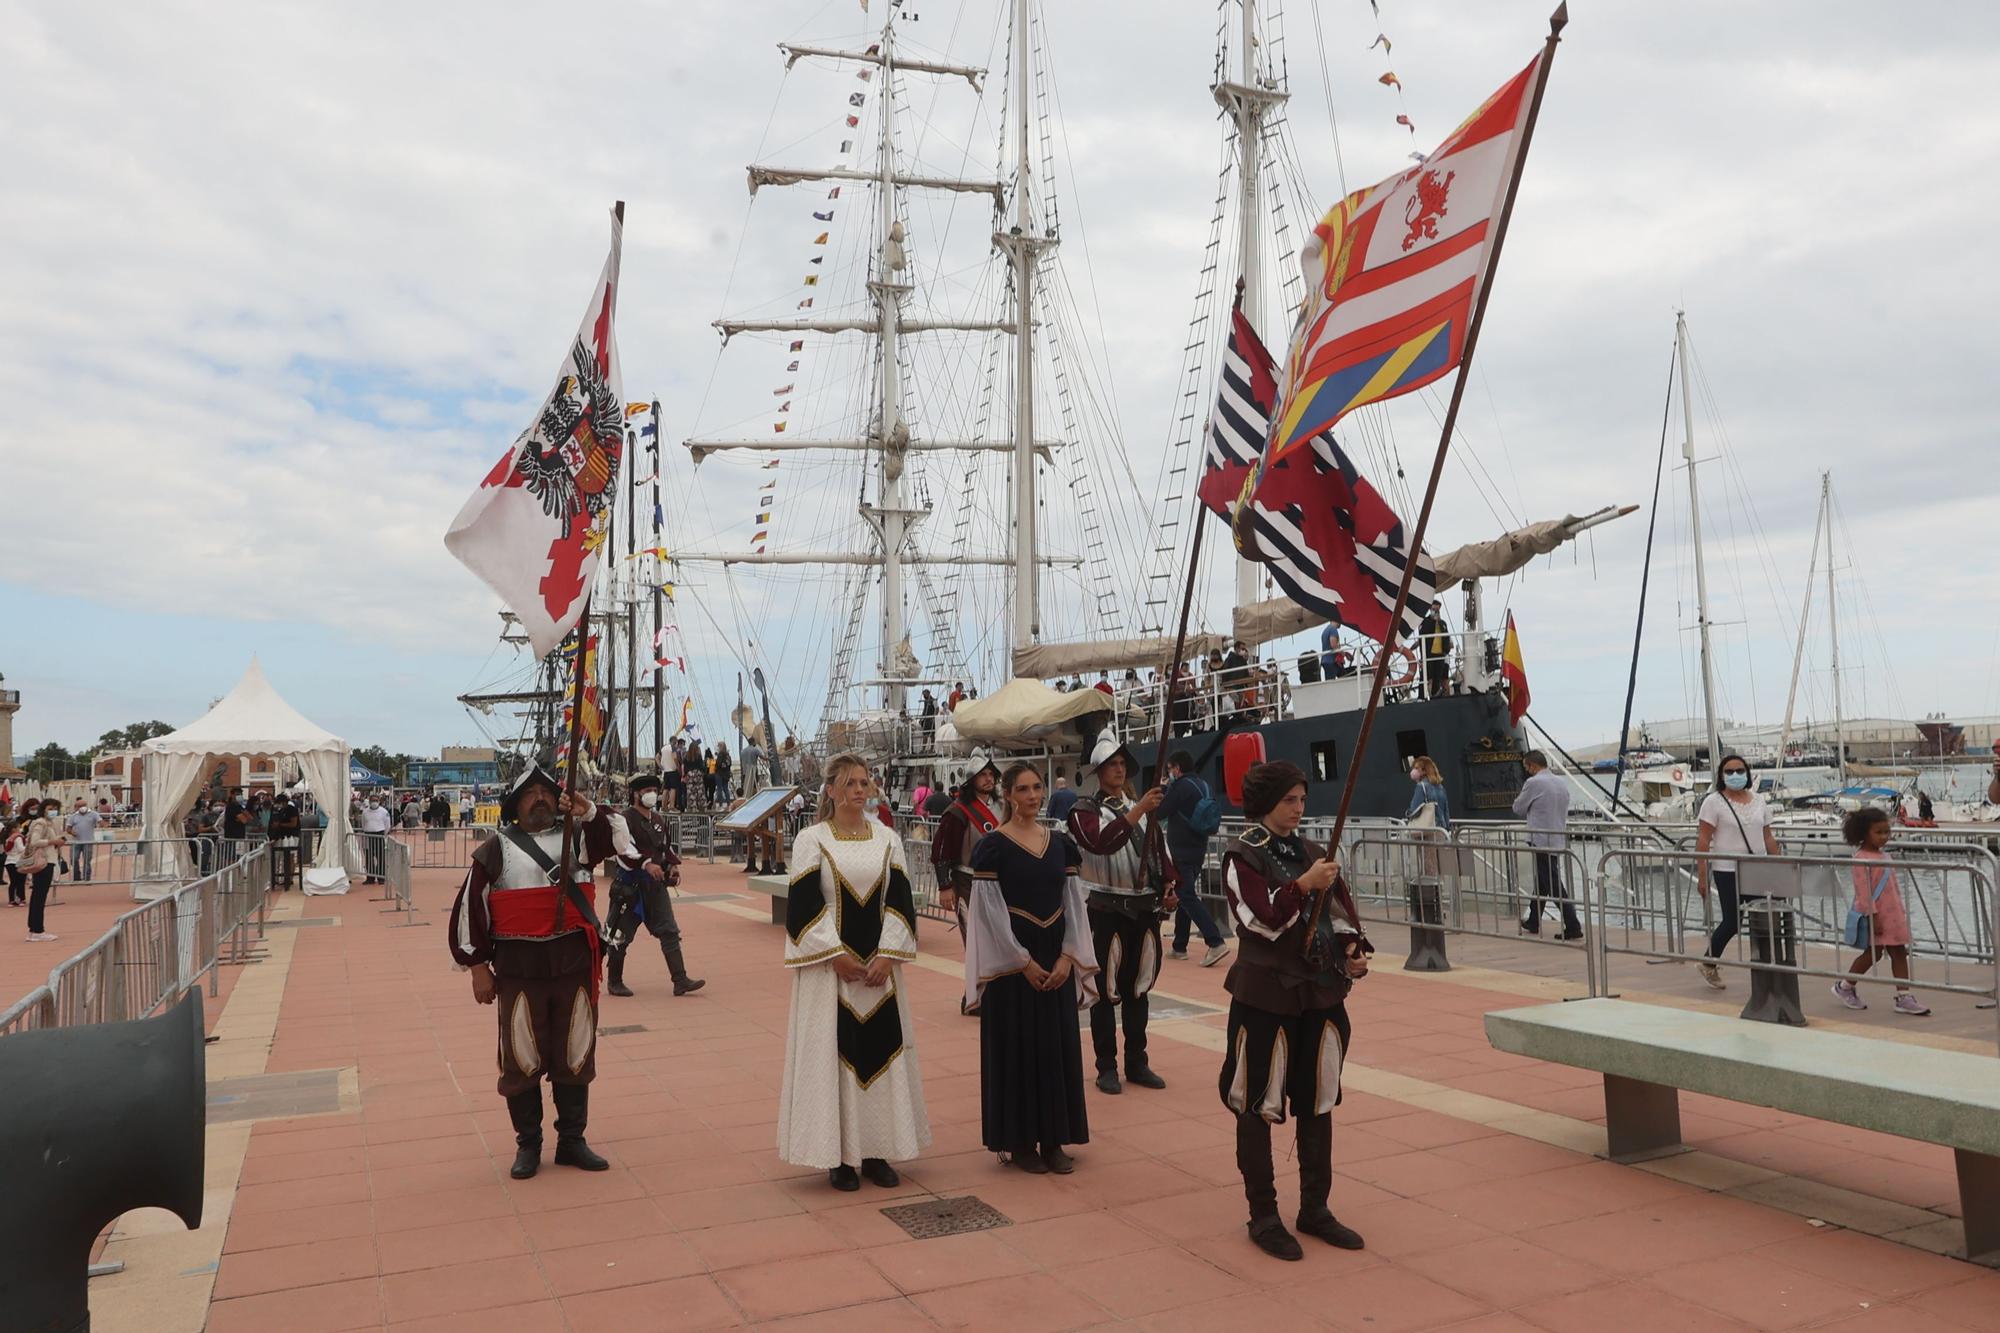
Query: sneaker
x=1216, y=953
x=1712, y=975
x=43, y=938
x=1845, y=992
x=1907, y=1003
x=1178, y=955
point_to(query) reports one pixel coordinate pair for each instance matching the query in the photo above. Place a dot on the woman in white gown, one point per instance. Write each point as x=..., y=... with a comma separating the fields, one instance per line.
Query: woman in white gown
x=852, y=1095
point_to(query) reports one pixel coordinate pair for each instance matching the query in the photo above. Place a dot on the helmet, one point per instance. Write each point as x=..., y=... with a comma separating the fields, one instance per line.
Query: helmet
x=1109, y=747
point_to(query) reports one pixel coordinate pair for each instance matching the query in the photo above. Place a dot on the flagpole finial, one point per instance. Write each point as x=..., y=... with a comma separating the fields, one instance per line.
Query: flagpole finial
x=618, y=208
x=1559, y=20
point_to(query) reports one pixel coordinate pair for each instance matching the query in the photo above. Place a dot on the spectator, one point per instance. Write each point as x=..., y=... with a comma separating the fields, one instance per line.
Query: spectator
x=1544, y=803
x=235, y=816
x=14, y=842
x=465, y=809
x=1734, y=820
x=284, y=832
x=82, y=827
x=1430, y=791
x=754, y=771
x=375, y=825
x=1436, y=636
x=919, y=795
x=1062, y=687
x=1103, y=685
x=928, y=711
x=957, y=696
x=694, y=777
x=1062, y=800
x=45, y=842
x=1075, y=682
x=1877, y=923
x=1187, y=848
x=723, y=773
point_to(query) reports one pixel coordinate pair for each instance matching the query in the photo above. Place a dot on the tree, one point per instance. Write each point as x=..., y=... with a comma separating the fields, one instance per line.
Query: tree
x=53, y=763
x=382, y=761
x=129, y=737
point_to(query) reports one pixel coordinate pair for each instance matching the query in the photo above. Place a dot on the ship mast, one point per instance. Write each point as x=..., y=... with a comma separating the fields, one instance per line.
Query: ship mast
x=1700, y=569
x=1022, y=248
x=1833, y=628
x=1248, y=101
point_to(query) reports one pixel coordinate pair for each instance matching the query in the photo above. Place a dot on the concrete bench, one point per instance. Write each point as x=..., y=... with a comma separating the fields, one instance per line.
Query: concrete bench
x=780, y=889
x=1647, y=1053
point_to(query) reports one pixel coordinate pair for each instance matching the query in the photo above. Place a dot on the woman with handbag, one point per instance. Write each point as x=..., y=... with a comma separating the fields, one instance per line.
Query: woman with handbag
x=46, y=839
x=1429, y=791
x=1288, y=1025
x=1877, y=923
x=1733, y=819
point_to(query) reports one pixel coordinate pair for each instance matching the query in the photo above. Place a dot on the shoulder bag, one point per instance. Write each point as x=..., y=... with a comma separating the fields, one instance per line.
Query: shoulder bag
x=1859, y=933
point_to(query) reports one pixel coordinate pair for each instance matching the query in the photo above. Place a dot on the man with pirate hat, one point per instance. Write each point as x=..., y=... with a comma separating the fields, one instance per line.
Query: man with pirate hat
x=647, y=868
x=533, y=945
x=1131, y=884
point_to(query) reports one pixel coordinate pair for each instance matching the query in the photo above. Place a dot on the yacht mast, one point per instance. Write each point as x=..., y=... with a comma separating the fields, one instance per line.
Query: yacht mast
x=1833, y=627
x=1248, y=101
x=1805, y=610
x=1700, y=569
x=1021, y=246
x=890, y=518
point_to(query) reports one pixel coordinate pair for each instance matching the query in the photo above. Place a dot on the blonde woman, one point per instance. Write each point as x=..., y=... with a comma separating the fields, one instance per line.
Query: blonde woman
x=853, y=1099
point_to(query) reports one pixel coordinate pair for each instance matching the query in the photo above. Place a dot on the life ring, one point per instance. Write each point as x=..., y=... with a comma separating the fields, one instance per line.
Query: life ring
x=1679, y=774
x=1408, y=675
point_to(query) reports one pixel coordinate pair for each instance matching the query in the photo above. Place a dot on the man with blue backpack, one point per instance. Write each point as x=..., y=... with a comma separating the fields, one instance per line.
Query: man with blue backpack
x=1192, y=818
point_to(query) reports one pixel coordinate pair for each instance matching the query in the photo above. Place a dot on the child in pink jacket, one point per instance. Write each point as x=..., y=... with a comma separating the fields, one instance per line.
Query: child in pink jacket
x=1884, y=927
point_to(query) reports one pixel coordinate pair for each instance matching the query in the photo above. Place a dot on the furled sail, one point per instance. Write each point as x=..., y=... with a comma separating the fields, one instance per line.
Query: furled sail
x=1278, y=617
x=1024, y=712
x=1047, y=661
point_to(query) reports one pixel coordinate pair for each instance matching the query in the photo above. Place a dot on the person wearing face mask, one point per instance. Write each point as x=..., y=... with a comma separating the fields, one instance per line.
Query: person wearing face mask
x=375, y=824
x=647, y=867
x=1544, y=803
x=534, y=945
x=1733, y=819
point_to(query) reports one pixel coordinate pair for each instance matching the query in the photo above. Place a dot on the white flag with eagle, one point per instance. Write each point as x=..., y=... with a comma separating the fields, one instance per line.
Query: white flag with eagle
x=537, y=524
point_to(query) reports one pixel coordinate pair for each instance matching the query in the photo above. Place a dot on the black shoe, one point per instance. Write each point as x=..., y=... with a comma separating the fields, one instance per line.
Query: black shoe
x=879, y=1172
x=524, y=1109
x=1573, y=934
x=527, y=1161
x=1270, y=1236
x=842, y=1177
x=1534, y=929
x=677, y=968
x=1108, y=1082
x=1144, y=1077
x=575, y=1152
x=688, y=985
x=1057, y=1160
x=1329, y=1229
x=615, y=977
x=1031, y=1162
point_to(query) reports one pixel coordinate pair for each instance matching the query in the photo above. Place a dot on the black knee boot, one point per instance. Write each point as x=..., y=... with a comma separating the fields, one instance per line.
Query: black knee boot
x=677, y=968
x=614, y=969
x=525, y=1110
x=1315, y=1140
x=1260, y=1188
x=572, y=1117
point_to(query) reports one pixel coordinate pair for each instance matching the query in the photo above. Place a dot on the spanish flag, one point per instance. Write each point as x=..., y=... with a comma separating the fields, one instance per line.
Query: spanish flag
x=1515, y=673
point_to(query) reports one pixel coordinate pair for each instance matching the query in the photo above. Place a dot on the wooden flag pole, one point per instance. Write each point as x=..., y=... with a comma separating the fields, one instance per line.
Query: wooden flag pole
x=1557, y=22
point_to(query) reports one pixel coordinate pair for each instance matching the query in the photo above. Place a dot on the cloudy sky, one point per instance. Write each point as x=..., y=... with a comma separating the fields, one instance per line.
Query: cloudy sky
x=279, y=281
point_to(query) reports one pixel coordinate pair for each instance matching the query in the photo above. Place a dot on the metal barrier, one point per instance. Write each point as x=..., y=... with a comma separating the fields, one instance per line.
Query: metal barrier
x=1800, y=909
x=153, y=954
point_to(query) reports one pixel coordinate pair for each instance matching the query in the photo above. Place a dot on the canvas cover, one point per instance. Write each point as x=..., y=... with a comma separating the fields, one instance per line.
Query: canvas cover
x=1024, y=711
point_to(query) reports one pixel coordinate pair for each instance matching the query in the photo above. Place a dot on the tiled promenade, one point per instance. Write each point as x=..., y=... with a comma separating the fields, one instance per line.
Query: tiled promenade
x=1469, y=1172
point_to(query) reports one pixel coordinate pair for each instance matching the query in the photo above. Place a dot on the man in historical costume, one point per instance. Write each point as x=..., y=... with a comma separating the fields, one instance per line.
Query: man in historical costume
x=1288, y=1025
x=969, y=817
x=533, y=945
x=1131, y=884
x=647, y=868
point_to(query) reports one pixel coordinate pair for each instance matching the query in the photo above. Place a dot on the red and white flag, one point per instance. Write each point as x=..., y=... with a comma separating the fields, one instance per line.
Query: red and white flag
x=535, y=527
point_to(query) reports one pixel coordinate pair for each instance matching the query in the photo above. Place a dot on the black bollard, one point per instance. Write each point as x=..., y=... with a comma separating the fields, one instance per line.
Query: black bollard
x=1772, y=926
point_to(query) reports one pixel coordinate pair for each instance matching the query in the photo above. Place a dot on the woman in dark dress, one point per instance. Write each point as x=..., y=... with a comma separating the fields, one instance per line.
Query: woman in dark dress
x=1029, y=967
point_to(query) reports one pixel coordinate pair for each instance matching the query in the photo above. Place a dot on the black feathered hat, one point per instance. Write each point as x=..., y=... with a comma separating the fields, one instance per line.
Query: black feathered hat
x=531, y=776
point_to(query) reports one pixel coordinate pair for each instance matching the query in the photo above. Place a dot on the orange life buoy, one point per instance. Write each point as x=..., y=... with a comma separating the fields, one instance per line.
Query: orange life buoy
x=1408, y=675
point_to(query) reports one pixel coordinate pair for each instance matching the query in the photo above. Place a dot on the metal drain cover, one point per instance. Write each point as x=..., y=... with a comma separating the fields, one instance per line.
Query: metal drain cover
x=945, y=1217
x=269, y=1096
x=1162, y=1008
x=620, y=1029
x=304, y=921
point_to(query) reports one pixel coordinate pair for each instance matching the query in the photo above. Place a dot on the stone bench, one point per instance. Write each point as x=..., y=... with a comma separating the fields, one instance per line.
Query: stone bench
x=780, y=889
x=1647, y=1053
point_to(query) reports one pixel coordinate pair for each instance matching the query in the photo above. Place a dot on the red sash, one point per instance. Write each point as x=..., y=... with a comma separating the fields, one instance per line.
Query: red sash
x=532, y=914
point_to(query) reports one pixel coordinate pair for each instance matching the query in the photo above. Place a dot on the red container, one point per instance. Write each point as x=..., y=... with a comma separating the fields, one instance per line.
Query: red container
x=1241, y=752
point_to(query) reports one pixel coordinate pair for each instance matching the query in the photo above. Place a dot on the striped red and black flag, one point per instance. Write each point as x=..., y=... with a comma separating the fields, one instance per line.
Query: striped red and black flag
x=1327, y=536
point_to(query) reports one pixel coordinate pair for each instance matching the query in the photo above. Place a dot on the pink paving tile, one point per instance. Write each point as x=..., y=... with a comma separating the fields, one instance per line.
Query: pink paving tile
x=322, y=1309
x=792, y=1286
x=1150, y=1281
x=658, y=1307
x=1511, y=1155
x=538, y=1317
x=1265, y=1313
x=453, y=1243
x=297, y=1226
x=1628, y=1307
x=1879, y=1266
x=1759, y=1293
x=1974, y=1303
x=623, y=1261
x=924, y=1265
x=442, y=1208
x=891, y=1316
x=1514, y=1204
x=1077, y=1239
x=460, y=1287
x=426, y=1178
x=1410, y=1174
x=743, y=1243
x=1214, y=1211
x=1498, y=1322
x=554, y=1187
x=1894, y=1319
x=288, y=1266
x=1404, y=1227
x=1504, y=1272
x=281, y=1196
x=1382, y=1299
x=444, y=1148
x=693, y=1210
x=306, y=1138
x=1031, y=1303
x=1427, y=1129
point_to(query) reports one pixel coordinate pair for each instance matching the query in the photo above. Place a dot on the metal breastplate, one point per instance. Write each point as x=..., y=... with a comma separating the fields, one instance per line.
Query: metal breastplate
x=1119, y=872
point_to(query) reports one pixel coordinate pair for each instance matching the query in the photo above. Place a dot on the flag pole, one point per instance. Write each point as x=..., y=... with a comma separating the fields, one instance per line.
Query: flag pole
x=1557, y=22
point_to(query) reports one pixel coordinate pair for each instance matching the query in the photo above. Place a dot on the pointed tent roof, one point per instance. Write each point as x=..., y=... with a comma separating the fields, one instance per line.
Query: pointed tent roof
x=252, y=718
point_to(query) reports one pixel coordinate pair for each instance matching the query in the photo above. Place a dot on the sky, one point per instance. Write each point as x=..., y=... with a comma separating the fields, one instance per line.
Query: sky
x=282, y=280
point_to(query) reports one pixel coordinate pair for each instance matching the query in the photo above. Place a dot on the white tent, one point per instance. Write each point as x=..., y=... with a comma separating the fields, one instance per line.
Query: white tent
x=252, y=719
